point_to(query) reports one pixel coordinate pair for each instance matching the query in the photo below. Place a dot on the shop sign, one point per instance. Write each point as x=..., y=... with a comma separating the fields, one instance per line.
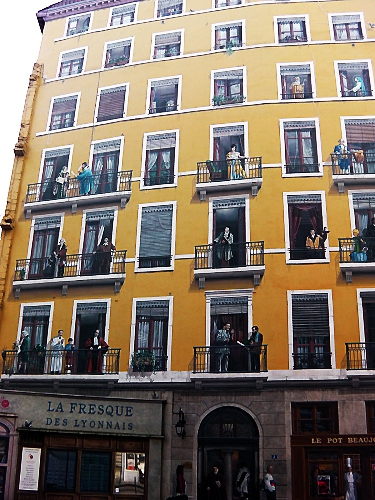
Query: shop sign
x=334, y=440
x=29, y=475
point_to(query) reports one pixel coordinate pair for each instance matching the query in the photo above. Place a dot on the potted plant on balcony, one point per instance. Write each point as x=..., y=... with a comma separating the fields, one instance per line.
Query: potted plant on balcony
x=143, y=361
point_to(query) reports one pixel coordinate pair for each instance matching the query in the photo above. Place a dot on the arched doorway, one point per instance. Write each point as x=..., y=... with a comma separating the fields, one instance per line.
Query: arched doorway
x=228, y=438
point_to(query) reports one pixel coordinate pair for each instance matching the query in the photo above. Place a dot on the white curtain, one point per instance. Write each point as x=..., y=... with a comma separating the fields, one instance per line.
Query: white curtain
x=143, y=333
x=307, y=147
x=363, y=220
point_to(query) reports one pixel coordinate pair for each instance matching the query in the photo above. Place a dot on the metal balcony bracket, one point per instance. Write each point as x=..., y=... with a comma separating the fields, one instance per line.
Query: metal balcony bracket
x=198, y=385
x=28, y=214
x=202, y=195
x=117, y=286
x=64, y=290
x=256, y=279
x=355, y=382
x=348, y=276
x=17, y=292
x=259, y=385
x=201, y=283
x=123, y=202
x=254, y=190
x=341, y=187
x=74, y=208
x=56, y=385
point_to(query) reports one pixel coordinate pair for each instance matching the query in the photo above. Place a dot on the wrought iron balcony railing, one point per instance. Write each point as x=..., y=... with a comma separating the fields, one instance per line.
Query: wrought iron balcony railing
x=230, y=359
x=353, y=163
x=110, y=182
x=221, y=256
x=312, y=360
x=297, y=95
x=302, y=168
x=229, y=170
x=293, y=39
x=42, y=361
x=154, y=261
x=158, y=180
x=89, y=264
x=360, y=355
x=221, y=100
x=307, y=253
x=148, y=360
x=362, y=251
x=167, y=108
x=360, y=93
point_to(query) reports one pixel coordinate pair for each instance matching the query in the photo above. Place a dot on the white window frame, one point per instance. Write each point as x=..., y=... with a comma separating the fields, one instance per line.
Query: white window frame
x=170, y=327
x=286, y=227
x=120, y=138
x=90, y=301
x=182, y=40
x=156, y=8
x=66, y=35
x=131, y=39
x=124, y=111
x=245, y=196
x=228, y=23
x=228, y=293
x=244, y=79
x=36, y=304
x=148, y=96
x=291, y=17
x=135, y=4
x=361, y=322
x=236, y=124
x=85, y=49
x=43, y=157
x=144, y=156
x=83, y=225
x=318, y=147
x=226, y=6
x=346, y=14
x=32, y=229
x=78, y=94
x=137, y=269
x=353, y=61
x=311, y=372
x=312, y=78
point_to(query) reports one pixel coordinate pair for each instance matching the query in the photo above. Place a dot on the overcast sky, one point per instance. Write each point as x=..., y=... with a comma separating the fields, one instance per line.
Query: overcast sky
x=19, y=47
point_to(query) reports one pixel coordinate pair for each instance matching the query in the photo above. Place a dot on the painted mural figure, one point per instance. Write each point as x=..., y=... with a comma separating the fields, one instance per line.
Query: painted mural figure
x=242, y=481
x=255, y=341
x=224, y=247
x=216, y=485
x=61, y=186
x=97, y=348
x=351, y=479
x=57, y=345
x=235, y=170
x=359, y=88
x=104, y=255
x=84, y=178
x=69, y=356
x=297, y=88
x=60, y=258
x=25, y=345
x=359, y=248
x=343, y=156
x=222, y=349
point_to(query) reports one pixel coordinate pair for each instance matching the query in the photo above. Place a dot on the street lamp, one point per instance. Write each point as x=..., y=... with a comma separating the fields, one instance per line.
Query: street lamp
x=180, y=425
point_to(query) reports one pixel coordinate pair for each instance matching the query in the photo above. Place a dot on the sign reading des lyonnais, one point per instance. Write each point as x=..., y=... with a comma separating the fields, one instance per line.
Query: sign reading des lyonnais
x=132, y=417
x=335, y=440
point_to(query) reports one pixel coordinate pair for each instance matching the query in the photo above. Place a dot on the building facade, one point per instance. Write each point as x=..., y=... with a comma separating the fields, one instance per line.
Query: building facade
x=187, y=170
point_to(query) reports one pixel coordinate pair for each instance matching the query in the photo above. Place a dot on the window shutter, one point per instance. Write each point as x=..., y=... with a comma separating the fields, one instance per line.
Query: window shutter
x=91, y=307
x=153, y=308
x=156, y=231
x=310, y=315
x=360, y=130
x=64, y=105
x=229, y=305
x=31, y=311
x=111, y=104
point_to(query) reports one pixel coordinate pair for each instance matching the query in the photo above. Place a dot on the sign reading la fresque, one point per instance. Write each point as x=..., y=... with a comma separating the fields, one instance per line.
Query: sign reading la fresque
x=88, y=415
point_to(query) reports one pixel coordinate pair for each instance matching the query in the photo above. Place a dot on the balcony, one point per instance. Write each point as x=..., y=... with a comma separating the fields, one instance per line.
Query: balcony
x=79, y=270
x=357, y=167
x=352, y=261
x=247, y=259
x=161, y=180
x=145, y=360
x=302, y=168
x=360, y=355
x=208, y=359
x=312, y=361
x=154, y=261
x=40, y=361
x=105, y=188
x=229, y=175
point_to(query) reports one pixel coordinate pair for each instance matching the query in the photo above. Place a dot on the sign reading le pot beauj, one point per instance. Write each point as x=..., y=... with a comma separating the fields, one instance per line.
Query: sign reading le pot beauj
x=66, y=413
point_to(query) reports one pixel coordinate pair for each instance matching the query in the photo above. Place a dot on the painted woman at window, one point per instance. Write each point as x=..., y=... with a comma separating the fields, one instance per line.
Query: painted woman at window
x=297, y=89
x=359, y=88
x=359, y=248
x=84, y=178
x=61, y=183
x=235, y=170
x=60, y=258
x=104, y=254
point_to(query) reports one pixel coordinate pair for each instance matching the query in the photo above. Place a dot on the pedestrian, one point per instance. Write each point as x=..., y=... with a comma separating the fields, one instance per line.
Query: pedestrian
x=270, y=484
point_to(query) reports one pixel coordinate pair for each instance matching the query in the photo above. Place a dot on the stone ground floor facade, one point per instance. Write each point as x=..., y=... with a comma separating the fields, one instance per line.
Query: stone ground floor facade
x=66, y=440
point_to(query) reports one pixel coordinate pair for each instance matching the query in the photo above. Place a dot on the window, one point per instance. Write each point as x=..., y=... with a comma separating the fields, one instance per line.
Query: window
x=160, y=164
x=226, y=3
x=360, y=136
x=291, y=30
x=347, y=27
x=169, y=7
x=89, y=316
x=311, y=331
x=105, y=166
x=125, y=14
x=36, y=320
x=117, y=53
x=72, y=63
x=156, y=238
x=111, y=103
x=228, y=36
x=164, y=95
x=223, y=138
x=167, y=45
x=98, y=225
x=364, y=210
x=63, y=112
x=151, y=330
x=315, y=418
x=228, y=87
x=301, y=153
x=54, y=160
x=295, y=81
x=354, y=79
x=78, y=24
x=45, y=235
x=304, y=212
